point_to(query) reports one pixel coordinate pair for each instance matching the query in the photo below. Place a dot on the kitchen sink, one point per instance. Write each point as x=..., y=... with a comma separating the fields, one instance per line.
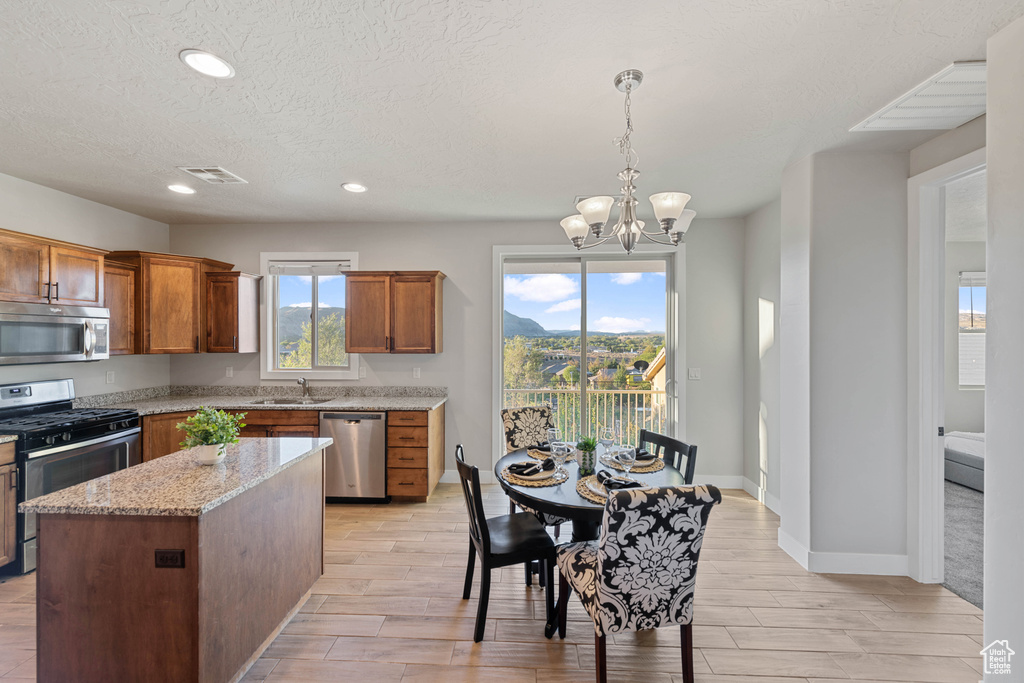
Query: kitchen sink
x=288, y=401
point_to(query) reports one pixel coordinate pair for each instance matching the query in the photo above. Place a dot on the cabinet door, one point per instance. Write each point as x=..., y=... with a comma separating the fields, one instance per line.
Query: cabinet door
x=160, y=435
x=24, y=270
x=8, y=513
x=413, y=315
x=253, y=431
x=367, y=313
x=119, y=297
x=171, y=319
x=221, y=315
x=77, y=277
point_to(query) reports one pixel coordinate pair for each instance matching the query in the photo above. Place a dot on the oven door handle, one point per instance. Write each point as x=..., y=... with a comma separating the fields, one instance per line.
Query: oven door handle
x=80, y=444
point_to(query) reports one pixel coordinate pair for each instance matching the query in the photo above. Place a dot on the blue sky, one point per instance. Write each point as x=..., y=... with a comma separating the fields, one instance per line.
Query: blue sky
x=979, y=299
x=617, y=302
x=297, y=290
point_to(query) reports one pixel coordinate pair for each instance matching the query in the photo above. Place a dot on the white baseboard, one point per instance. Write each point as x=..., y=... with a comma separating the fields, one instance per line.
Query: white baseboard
x=769, y=501
x=721, y=481
x=794, y=548
x=452, y=477
x=858, y=563
x=843, y=563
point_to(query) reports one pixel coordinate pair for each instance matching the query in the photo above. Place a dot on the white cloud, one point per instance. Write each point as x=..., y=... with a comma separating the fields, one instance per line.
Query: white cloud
x=574, y=327
x=562, y=306
x=616, y=325
x=626, y=278
x=549, y=287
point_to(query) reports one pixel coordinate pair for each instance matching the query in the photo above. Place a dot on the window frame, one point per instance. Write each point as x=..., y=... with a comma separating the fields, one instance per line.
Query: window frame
x=970, y=280
x=268, y=310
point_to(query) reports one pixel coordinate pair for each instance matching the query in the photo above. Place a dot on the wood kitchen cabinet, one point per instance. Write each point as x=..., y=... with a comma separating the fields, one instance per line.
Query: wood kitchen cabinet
x=280, y=423
x=415, y=452
x=170, y=301
x=8, y=504
x=160, y=435
x=232, y=312
x=38, y=270
x=119, y=298
x=393, y=312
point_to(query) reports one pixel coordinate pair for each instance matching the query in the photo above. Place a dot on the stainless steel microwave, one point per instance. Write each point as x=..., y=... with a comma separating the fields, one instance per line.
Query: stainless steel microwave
x=51, y=333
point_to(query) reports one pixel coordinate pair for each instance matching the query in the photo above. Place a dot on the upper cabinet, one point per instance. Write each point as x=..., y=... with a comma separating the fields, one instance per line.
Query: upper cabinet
x=38, y=270
x=119, y=298
x=170, y=301
x=393, y=312
x=232, y=312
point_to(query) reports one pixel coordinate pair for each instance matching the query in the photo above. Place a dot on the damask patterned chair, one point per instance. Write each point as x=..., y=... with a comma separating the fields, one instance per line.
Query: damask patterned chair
x=641, y=573
x=680, y=455
x=526, y=427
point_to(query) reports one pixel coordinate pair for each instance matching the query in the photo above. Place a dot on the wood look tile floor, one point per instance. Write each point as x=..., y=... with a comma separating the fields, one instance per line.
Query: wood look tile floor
x=390, y=608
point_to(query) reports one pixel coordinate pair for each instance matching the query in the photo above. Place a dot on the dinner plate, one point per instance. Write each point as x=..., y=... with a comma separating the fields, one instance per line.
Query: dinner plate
x=540, y=476
x=597, y=488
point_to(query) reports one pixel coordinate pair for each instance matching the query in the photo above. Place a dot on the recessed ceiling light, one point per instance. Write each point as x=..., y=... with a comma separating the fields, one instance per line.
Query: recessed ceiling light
x=181, y=189
x=354, y=187
x=206, y=63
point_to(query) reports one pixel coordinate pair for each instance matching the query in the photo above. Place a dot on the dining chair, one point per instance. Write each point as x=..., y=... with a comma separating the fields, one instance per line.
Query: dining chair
x=499, y=542
x=641, y=573
x=672, y=451
x=525, y=427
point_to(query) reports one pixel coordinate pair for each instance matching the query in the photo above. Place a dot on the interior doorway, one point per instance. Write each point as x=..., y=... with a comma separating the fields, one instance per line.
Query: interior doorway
x=932, y=300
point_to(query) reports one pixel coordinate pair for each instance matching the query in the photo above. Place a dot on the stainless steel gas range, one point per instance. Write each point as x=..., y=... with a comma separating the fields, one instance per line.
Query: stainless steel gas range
x=59, y=446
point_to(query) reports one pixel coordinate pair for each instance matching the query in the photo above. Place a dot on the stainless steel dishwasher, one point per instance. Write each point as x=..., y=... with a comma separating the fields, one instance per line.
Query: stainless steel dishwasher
x=354, y=464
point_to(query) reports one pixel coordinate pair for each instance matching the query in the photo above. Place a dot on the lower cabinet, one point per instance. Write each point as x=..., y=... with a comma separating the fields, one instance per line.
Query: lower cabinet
x=8, y=504
x=415, y=452
x=160, y=435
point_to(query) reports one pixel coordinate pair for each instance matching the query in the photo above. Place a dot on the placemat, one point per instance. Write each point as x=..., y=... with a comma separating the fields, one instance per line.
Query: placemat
x=553, y=480
x=584, y=490
x=655, y=466
x=538, y=455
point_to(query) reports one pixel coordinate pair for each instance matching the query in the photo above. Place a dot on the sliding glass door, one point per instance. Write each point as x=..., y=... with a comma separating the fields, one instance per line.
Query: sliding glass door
x=588, y=337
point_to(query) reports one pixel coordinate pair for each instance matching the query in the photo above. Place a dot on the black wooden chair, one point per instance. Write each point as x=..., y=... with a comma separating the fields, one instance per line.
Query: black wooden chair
x=680, y=455
x=642, y=573
x=501, y=541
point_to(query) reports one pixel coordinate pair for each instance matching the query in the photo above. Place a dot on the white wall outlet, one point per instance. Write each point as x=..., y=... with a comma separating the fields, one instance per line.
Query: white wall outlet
x=110, y=376
x=415, y=373
x=362, y=371
x=694, y=373
x=229, y=371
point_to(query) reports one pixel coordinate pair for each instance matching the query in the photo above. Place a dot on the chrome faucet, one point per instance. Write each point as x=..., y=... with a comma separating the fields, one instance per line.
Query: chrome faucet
x=304, y=383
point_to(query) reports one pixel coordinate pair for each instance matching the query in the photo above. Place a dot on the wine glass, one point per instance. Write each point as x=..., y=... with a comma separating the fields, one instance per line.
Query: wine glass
x=606, y=437
x=559, y=451
x=626, y=458
x=553, y=437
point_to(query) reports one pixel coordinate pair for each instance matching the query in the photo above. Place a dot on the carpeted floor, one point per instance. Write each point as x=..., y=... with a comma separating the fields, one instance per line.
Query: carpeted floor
x=964, y=542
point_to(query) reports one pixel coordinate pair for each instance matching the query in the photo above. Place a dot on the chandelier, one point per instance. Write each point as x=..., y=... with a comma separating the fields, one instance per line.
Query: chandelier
x=669, y=207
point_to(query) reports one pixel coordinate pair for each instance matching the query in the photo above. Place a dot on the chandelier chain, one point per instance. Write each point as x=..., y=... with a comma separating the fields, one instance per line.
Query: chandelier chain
x=625, y=143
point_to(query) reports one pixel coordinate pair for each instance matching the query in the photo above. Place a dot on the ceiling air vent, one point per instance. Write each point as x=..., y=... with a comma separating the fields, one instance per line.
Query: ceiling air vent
x=215, y=175
x=948, y=99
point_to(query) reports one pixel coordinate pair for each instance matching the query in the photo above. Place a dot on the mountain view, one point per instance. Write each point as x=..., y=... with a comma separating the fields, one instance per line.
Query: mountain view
x=516, y=326
x=290, y=320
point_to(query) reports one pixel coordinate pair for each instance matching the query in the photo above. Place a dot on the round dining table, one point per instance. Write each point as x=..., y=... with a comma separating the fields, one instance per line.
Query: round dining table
x=563, y=500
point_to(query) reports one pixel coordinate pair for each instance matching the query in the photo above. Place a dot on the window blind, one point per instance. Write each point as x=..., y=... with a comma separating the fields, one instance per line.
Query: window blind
x=972, y=279
x=309, y=267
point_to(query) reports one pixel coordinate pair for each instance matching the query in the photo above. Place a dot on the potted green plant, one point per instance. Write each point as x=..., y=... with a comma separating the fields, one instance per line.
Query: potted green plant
x=209, y=431
x=585, y=454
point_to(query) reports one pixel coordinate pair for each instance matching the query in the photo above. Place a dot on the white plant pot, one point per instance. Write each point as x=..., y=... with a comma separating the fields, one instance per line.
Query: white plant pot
x=210, y=454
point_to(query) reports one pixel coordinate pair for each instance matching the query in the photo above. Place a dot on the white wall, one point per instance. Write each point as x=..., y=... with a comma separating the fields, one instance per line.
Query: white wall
x=1004, y=357
x=37, y=210
x=847, y=258
x=464, y=253
x=964, y=408
x=761, y=280
x=948, y=146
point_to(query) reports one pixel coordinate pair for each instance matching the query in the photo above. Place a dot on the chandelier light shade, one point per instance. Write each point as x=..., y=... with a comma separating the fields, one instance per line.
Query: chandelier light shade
x=595, y=212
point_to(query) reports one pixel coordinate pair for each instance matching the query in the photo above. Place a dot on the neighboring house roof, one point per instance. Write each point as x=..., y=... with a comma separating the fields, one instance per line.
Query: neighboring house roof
x=657, y=365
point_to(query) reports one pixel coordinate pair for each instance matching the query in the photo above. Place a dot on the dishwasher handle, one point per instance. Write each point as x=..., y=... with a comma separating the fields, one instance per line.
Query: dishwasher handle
x=351, y=418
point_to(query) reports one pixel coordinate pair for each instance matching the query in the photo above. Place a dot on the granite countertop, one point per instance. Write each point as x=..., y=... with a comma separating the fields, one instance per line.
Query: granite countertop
x=6, y=438
x=177, y=485
x=181, y=403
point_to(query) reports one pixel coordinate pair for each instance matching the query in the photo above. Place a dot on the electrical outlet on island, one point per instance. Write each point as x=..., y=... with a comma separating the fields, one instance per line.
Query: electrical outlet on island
x=110, y=376
x=415, y=373
x=229, y=371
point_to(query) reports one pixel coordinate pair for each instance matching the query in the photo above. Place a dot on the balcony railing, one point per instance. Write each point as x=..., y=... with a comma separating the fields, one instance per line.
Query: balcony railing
x=634, y=410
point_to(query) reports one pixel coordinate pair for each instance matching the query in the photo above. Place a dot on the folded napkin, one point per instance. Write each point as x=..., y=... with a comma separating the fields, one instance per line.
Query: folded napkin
x=613, y=483
x=645, y=458
x=544, y=447
x=528, y=469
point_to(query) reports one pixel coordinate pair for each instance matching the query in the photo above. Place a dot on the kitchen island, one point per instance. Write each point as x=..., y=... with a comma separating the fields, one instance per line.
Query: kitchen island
x=175, y=571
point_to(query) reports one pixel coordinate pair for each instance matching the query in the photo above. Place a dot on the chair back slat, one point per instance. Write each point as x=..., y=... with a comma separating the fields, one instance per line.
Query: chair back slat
x=469, y=478
x=647, y=555
x=680, y=455
x=526, y=427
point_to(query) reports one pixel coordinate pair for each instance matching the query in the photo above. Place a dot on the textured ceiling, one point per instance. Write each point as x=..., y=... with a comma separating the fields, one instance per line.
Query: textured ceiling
x=457, y=110
x=966, y=209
